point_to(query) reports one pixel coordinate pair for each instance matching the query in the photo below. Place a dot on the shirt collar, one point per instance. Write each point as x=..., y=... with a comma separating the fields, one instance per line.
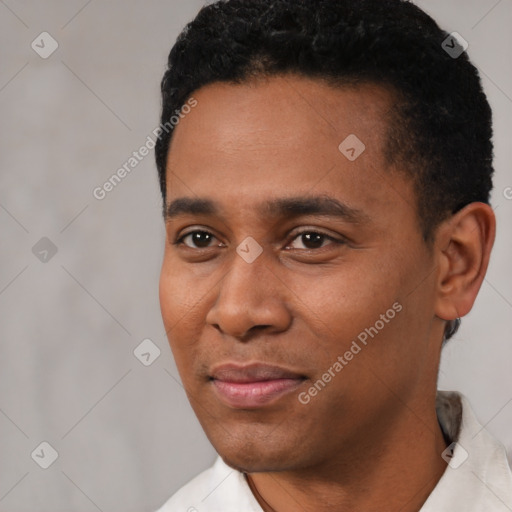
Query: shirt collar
x=477, y=477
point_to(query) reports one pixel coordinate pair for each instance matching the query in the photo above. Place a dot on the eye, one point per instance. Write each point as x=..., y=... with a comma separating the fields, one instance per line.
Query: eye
x=304, y=240
x=313, y=240
x=198, y=239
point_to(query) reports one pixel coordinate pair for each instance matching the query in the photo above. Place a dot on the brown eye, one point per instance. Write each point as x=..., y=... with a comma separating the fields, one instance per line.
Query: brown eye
x=197, y=239
x=312, y=240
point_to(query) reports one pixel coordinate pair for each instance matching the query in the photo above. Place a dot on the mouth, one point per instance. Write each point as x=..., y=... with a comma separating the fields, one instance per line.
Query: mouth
x=253, y=386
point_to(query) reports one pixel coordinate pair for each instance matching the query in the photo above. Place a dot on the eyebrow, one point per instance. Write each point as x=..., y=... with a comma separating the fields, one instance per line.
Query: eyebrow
x=286, y=207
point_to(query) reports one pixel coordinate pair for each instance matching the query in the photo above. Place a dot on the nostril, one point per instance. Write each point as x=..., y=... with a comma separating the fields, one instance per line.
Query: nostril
x=258, y=327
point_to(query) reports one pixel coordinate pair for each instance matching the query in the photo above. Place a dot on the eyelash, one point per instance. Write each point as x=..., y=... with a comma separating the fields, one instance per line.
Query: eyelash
x=179, y=240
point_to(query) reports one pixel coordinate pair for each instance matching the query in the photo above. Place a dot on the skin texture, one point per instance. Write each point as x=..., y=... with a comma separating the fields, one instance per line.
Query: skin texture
x=370, y=439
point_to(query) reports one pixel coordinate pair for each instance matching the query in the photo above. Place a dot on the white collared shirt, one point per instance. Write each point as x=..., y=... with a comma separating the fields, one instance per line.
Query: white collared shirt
x=477, y=478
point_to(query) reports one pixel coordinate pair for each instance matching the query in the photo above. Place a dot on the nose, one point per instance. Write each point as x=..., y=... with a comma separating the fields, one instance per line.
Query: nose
x=250, y=298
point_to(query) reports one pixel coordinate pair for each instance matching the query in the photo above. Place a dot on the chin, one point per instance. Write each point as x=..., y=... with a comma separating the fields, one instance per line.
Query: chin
x=260, y=464
x=254, y=442
x=253, y=456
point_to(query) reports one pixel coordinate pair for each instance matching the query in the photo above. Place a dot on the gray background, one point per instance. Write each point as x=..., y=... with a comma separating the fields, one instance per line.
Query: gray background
x=125, y=434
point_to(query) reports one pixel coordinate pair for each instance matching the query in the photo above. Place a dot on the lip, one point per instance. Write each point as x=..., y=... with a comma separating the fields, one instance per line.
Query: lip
x=253, y=386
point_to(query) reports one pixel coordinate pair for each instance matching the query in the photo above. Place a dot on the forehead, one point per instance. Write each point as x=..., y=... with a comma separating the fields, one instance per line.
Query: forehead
x=280, y=136
x=282, y=110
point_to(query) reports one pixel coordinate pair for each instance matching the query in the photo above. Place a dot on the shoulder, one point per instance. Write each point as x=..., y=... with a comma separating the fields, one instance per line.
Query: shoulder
x=217, y=489
x=477, y=476
x=185, y=498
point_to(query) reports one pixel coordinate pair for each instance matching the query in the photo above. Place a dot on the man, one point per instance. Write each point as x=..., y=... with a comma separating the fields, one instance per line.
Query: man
x=326, y=184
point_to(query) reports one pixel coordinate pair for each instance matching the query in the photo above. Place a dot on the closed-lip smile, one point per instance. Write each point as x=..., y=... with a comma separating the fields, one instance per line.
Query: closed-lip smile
x=253, y=385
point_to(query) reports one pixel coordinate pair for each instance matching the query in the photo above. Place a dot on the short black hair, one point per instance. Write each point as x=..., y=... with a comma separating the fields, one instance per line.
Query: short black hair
x=440, y=126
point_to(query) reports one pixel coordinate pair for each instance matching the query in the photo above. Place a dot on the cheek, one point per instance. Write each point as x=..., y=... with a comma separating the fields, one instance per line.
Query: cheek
x=169, y=296
x=349, y=298
x=180, y=290
x=182, y=307
x=361, y=312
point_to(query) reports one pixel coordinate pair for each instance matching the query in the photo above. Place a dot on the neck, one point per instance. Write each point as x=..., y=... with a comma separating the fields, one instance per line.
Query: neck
x=394, y=469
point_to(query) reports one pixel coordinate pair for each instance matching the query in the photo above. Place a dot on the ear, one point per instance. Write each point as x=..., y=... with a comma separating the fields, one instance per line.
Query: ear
x=463, y=247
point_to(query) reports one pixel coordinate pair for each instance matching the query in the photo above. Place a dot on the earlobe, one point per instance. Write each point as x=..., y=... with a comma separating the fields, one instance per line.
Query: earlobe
x=464, y=244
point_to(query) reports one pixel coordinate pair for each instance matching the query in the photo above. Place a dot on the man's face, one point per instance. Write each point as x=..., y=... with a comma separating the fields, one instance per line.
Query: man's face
x=255, y=334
